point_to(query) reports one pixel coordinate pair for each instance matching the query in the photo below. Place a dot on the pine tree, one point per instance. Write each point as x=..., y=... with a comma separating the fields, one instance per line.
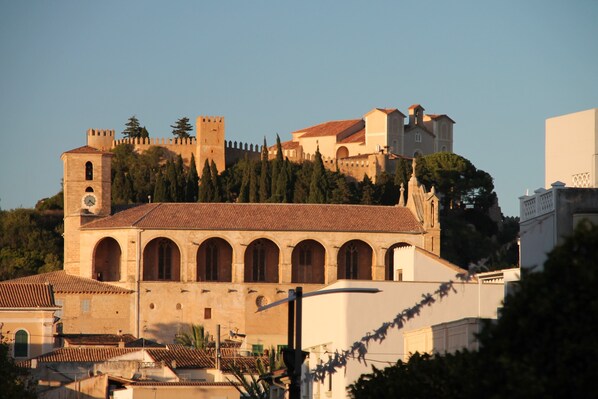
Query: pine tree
x=318, y=186
x=133, y=128
x=217, y=193
x=143, y=133
x=181, y=128
x=264, y=192
x=206, y=188
x=192, y=184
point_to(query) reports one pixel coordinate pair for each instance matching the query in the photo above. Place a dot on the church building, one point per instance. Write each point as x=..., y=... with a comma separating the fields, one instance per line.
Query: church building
x=215, y=263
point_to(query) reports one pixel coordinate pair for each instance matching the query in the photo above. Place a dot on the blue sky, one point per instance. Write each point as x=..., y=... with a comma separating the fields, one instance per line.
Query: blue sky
x=498, y=68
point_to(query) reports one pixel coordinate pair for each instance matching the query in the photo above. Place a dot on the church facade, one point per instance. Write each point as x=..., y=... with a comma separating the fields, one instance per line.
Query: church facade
x=215, y=263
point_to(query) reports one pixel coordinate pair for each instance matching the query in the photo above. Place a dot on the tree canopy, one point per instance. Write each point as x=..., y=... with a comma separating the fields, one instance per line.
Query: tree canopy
x=181, y=128
x=542, y=345
x=133, y=129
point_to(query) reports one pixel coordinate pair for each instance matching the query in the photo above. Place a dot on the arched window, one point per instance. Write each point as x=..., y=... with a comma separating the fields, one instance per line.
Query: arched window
x=89, y=190
x=351, y=261
x=88, y=171
x=355, y=260
x=106, y=260
x=261, y=261
x=258, y=265
x=212, y=262
x=307, y=262
x=161, y=260
x=418, y=137
x=21, y=344
x=164, y=260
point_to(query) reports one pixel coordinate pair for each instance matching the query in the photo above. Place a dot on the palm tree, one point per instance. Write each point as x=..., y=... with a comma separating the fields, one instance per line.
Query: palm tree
x=195, y=337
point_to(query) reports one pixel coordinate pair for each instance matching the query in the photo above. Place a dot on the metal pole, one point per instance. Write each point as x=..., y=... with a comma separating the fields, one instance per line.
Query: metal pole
x=291, y=320
x=295, y=387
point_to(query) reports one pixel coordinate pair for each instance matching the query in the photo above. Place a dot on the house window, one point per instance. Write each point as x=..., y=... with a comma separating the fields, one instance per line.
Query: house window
x=280, y=348
x=259, y=262
x=21, y=344
x=257, y=349
x=85, y=305
x=418, y=137
x=207, y=313
x=212, y=262
x=164, y=261
x=88, y=171
x=351, y=262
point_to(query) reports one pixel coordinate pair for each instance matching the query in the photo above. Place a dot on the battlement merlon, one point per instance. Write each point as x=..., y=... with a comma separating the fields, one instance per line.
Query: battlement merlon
x=101, y=139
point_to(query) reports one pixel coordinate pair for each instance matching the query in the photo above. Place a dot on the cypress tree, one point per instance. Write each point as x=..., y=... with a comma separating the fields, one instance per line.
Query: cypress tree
x=118, y=184
x=276, y=166
x=180, y=178
x=341, y=194
x=192, y=184
x=244, y=190
x=160, y=188
x=367, y=191
x=217, y=193
x=253, y=184
x=143, y=133
x=283, y=186
x=172, y=179
x=318, y=185
x=264, y=192
x=206, y=190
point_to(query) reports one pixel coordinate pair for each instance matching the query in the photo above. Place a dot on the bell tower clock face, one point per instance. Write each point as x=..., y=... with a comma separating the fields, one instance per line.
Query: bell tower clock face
x=89, y=201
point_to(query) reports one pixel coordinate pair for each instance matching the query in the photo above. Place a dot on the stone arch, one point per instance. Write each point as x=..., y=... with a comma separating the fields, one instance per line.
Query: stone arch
x=342, y=152
x=389, y=266
x=161, y=260
x=106, y=260
x=307, y=262
x=261, y=261
x=214, y=260
x=355, y=259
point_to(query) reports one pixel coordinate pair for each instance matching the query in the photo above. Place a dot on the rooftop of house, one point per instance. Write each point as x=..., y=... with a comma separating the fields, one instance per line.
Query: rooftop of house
x=64, y=283
x=97, y=339
x=26, y=295
x=331, y=128
x=263, y=217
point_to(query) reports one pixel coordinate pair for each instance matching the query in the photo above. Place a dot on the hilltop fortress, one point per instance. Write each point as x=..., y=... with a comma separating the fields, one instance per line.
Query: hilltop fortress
x=356, y=147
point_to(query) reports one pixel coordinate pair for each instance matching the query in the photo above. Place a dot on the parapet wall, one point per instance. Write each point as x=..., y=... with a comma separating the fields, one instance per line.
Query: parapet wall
x=185, y=147
x=235, y=151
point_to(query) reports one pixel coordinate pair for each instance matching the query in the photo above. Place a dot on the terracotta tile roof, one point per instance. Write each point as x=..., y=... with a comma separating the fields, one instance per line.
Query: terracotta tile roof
x=26, y=295
x=286, y=145
x=67, y=284
x=263, y=217
x=244, y=363
x=96, y=339
x=357, y=137
x=184, y=357
x=83, y=355
x=388, y=110
x=415, y=106
x=332, y=128
x=87, y=150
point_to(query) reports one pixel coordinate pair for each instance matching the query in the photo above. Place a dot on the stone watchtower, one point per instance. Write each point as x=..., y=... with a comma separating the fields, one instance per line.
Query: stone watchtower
x=210, y=141
x=87, y=194
x=101, y=139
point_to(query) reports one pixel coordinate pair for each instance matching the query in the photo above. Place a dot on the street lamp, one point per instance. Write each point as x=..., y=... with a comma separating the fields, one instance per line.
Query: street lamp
x=293, y=356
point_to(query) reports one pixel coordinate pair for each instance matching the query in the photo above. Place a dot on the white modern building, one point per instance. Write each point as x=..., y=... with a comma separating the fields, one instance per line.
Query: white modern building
x=334, y=322
x=572, y=148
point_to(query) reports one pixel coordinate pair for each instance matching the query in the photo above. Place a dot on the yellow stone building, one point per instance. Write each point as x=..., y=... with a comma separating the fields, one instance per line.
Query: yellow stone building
x=214, y=264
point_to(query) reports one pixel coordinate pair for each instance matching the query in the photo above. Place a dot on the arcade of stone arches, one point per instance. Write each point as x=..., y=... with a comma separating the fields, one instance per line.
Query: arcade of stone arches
x=161, y=261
